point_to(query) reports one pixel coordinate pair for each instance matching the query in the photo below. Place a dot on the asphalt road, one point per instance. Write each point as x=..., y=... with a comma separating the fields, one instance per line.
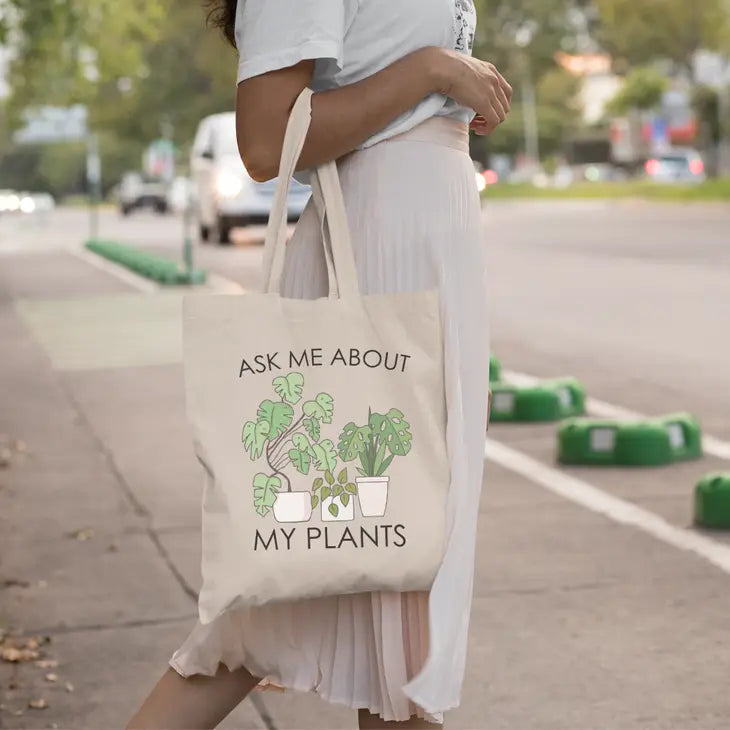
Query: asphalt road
x=580, y=619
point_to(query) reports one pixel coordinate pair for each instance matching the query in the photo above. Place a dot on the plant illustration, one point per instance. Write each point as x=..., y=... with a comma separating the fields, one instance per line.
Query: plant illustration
x=325, y=487
x=377, y=443
x=287, y=434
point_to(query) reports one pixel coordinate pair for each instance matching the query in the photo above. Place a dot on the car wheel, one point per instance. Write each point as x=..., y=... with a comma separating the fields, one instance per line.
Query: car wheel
x=204, y=232
x=125, y=209
x=161, y=207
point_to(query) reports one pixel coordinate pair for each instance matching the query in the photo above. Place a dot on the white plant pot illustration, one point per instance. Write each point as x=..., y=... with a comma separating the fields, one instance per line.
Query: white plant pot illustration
x=372, y=492
x=344, y=513
x=293, y=507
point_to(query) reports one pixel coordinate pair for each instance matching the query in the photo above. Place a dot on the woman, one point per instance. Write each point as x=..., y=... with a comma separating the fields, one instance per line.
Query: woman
x=395, y=90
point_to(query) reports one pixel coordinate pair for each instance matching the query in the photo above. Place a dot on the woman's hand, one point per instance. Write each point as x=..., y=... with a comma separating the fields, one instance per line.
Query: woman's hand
x=476, y=85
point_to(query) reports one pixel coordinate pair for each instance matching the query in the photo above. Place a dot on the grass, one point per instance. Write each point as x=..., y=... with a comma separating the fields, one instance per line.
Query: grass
x=712, y=190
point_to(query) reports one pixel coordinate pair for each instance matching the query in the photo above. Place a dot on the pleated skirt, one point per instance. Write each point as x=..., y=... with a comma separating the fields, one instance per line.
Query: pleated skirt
x=414, y=214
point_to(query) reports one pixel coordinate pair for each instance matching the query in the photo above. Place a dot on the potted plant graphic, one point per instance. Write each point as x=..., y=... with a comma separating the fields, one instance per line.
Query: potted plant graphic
x=375, y=445
x=337, y=497
x=287, y=438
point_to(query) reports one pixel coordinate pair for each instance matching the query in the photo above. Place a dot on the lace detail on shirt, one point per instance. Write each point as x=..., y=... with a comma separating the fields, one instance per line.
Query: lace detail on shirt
x=465, y=23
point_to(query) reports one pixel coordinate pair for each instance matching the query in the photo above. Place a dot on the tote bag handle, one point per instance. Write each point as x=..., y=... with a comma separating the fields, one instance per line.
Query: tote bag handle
x=329, y=198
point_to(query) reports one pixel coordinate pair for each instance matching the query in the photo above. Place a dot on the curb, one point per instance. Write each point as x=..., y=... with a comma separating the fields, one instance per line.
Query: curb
x=161, y=270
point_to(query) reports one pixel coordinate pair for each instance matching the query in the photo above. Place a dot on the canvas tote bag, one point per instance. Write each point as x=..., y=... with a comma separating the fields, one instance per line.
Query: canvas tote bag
x=321, y=424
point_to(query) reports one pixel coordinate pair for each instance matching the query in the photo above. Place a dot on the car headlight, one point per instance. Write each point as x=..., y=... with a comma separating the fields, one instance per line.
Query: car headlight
x=481, y=182
x=27, y=205
x=229, y=184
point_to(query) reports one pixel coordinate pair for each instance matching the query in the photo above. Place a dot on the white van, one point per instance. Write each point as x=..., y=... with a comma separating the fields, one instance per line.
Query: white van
x=226, y=195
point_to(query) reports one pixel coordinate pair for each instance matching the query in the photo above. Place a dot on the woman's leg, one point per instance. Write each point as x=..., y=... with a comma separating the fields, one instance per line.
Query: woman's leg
x=373, y=722
x=196, y=703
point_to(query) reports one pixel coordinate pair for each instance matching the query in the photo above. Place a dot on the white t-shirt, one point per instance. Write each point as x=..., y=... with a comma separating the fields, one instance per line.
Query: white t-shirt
x=351, y=40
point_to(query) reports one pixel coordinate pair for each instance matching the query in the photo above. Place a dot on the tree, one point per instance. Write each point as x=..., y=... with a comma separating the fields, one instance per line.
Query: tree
x=640, y=31
x=642, y=89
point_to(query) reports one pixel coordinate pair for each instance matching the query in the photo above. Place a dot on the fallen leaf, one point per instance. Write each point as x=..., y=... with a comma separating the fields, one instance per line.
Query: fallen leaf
x=12, y=655
x=39, y=704
x=47, y=663
x=14, y=583
x=82, y=535
x=69, y=687
x=51, y=677
x=5, y=456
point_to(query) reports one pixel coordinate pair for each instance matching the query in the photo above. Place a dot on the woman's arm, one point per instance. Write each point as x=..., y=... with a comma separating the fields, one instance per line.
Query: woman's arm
x=344, y=118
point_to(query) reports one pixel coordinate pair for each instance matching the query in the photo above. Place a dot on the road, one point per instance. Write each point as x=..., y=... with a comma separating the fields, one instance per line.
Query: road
x=579, y=620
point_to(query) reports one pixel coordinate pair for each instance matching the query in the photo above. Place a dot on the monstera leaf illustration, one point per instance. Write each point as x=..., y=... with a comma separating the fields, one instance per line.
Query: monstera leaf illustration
x=289, y=387
x=254, y=437
x=352, y=441
x=265, y=490
x=325, y=457
x=301, y=454
x=313, y=428
x=321, y=408
x=278, y=417
x=394, y=430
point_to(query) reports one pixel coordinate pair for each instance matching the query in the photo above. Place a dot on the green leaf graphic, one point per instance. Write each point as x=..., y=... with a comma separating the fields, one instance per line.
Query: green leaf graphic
x=315, y=501
x=351, y=488
x=326, y=493
x=322, y=408
x=278, y=416
x=289, y=387
x=325, y=457
x=342, y=478
x=301, y=460
x=394, y=429
x=334, y=510
x=339, y=489
x=318, y=482
x=300, y=442
x=312, y=427
x=254, y=437
x=329, y=478
x=345, y=499
x=265, y=489
x=352, y=441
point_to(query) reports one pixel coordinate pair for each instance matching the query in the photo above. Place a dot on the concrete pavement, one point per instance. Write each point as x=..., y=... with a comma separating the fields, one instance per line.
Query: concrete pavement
x=578, y=621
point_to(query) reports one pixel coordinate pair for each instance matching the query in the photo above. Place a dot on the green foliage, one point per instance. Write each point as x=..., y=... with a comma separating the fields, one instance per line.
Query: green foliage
x=276, y=417
x=646, y=30
x=289, y=387
x=321, y=408
x=254, y=436
x=642, y=89
x=265, y=491
x=339, y=488
x=376, y=443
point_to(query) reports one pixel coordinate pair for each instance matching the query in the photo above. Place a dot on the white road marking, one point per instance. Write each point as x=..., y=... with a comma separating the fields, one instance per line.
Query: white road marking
x=119, y=272
x=711, y=445
x=600, y=502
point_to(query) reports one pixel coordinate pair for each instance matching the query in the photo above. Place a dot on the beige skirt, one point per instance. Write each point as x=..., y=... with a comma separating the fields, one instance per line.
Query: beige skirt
x=415, y=217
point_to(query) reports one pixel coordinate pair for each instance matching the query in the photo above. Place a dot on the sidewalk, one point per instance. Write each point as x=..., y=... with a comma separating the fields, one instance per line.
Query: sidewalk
x=578, y=621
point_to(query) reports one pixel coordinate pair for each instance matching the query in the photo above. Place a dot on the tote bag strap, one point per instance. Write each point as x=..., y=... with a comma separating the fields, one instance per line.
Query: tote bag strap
x=326, y=183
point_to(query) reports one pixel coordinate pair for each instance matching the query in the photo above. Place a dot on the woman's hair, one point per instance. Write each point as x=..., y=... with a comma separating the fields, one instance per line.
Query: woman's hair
x=223, y=15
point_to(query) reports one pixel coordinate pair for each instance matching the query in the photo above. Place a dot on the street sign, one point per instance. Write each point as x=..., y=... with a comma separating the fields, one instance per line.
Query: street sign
x=49, y=124
x=159, y=159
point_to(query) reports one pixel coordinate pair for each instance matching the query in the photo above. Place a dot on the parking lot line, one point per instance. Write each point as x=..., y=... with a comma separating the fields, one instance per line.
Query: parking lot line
x=711, y=446
x=596, y=500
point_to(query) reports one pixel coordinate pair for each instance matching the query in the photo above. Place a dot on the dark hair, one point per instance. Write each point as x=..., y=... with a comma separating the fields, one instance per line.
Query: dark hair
x=223, y=15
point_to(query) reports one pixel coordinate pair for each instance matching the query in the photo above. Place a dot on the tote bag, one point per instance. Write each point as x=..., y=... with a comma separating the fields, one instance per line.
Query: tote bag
x=321, y=424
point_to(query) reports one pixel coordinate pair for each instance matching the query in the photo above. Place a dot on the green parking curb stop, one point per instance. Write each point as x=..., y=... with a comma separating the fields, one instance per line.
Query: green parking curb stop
x=712, y=502
x=495, y=369
x=161, y=270
x=652, y=442
x=550, y=400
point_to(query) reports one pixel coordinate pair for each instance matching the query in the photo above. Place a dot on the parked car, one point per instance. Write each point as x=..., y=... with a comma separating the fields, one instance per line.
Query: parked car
x=137, y=190
x=226, y=196
x=680, y=165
